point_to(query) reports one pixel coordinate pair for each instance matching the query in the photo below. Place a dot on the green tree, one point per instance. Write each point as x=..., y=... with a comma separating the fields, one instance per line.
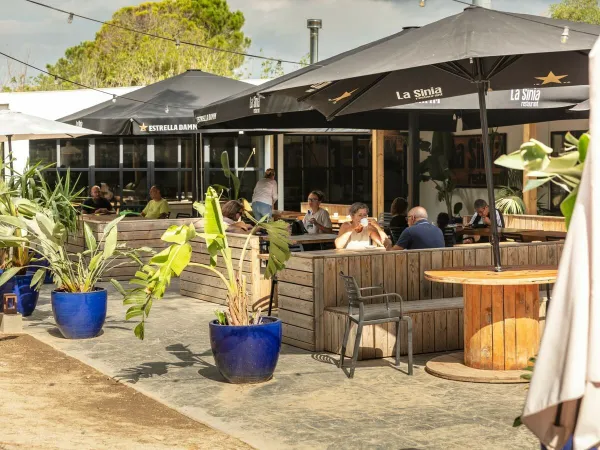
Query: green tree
x=586, y=11
x=118, y=57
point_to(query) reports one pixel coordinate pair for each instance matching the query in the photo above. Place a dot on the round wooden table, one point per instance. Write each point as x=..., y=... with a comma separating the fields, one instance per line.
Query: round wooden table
x=501, y=313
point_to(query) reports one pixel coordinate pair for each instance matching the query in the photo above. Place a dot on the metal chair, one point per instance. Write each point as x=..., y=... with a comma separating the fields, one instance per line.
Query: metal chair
x=372, y=315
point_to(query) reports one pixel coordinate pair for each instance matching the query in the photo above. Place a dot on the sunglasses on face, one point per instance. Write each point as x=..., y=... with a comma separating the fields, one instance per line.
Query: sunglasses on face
x=313, y=199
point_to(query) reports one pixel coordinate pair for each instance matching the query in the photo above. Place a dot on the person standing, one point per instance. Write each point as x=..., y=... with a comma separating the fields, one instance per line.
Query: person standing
x=420, y=234
x=157, y=207
x=317, y=219
x=264, y=196
x=96, y=204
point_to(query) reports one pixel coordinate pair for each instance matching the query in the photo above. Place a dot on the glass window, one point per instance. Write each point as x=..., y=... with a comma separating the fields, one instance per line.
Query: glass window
x=292, y=189
x=340, y=151
x=168, y=183
x=315, y=179
x=135, y=153
x=107, y=153
x=74, y=153
x=292, y=152
x=363, y=152
x=219, y=145
x=187, y=152
x=217, y=177
x=187, y=186
x=245, y=146
x=79, y=179
x=165, y=152
x=248, y=180
x=135, y=186
x=315, y=151
x=42, y=151
x=340, y=185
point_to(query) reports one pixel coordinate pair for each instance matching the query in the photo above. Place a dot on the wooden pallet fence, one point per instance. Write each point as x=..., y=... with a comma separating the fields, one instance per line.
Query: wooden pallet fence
x=546, y=223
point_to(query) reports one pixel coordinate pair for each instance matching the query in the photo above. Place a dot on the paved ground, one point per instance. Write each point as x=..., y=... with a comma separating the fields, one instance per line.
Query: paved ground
x=309, y=403
x=52, y=401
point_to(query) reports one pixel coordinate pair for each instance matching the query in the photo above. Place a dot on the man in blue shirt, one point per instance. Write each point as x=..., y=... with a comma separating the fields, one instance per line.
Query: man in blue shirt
x=420, y=234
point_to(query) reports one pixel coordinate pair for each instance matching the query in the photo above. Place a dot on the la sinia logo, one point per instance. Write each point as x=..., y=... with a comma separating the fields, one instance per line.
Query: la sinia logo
x=421, y=94
x=344, y=96
x=551, y=78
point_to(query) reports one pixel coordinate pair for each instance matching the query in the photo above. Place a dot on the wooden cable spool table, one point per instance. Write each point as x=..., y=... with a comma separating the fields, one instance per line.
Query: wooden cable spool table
x=501, y=313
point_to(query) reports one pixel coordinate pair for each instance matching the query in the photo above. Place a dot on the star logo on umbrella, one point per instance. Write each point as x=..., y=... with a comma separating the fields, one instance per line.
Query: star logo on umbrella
x=344, y=96
x=551, y=78
x=143, y=127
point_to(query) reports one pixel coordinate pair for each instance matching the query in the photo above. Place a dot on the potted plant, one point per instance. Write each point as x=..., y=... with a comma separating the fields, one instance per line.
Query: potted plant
x=78, y=305
x=435, y=167
x=245, y=345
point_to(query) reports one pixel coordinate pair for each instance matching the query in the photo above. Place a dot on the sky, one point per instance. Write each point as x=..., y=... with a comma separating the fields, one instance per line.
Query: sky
x=277, y=27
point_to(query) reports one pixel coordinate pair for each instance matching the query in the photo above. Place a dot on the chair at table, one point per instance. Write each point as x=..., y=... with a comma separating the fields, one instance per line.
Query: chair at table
x=372, y=314
x=395, y=233
x=384, y=219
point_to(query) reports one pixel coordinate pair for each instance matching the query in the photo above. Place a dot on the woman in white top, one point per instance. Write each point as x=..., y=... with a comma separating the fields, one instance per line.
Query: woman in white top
x=317, y=219
x=359, y=233
x=264, y=196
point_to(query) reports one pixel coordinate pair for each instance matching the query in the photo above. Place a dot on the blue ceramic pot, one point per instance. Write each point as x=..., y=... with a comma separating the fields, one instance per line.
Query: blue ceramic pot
x=27, y=297
x=48, y=277
x=246, y=354
x=79, y=315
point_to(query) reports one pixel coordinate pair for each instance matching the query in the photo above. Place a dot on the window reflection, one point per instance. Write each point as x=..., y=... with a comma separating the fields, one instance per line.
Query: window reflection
x=219, y=145
x=187, y=152
x=168, y=183
x=107, y=153
x=165, y=152
x=135, y=153
x=135, y=186
x=74, y=153
x=42, y=151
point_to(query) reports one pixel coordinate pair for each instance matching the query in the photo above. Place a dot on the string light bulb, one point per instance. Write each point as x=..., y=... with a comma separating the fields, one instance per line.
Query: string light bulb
x=564, y=37
x=70, y=18
x=55, y=79
x=114, y=99
x=422, y=3
x=177, y=43
x=167, y=109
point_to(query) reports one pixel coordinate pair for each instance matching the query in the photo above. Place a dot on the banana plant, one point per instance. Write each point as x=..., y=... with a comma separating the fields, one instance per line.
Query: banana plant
x=153, y=279
x=231, y=176
x=564, y=170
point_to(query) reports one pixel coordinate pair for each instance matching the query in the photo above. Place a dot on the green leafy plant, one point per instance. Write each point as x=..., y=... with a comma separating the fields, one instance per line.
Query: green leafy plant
x=232, y=177
x=435, y=168
x=509, y=199
x=153, y=279
x=38, y=233
x=564, y=170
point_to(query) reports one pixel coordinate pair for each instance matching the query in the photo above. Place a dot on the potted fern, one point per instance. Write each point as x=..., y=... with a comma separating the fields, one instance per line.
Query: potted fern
x=79, y=306
x=245, y=345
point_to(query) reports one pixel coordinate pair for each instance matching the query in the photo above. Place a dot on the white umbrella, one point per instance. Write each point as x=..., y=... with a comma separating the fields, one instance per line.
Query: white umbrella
x=16, y=126
x=564, y=396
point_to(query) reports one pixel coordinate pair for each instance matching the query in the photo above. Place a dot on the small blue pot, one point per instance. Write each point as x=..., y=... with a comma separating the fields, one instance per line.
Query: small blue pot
x=48, y=277
x=27, y=297
x=79, y=315
x=246, y=354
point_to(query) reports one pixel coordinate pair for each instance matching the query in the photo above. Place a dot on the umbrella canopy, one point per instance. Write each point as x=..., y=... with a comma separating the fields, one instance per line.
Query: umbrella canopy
x=165, y=107
x=583, y=106
x=477, y=50
x=21, y=127
x=564, y=395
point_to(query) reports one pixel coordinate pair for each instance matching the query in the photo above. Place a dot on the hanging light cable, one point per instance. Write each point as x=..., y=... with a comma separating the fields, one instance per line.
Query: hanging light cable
x=70, y=18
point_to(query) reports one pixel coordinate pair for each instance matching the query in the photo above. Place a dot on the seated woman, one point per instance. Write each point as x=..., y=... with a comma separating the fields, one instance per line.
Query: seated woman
x=360, y=232
x=399, y=222
x=232, y=216
x=317, y=219
x=443, y=220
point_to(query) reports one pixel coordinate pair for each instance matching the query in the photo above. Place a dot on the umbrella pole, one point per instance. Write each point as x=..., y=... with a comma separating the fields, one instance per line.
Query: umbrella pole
x=487, y=154
x=10, y=158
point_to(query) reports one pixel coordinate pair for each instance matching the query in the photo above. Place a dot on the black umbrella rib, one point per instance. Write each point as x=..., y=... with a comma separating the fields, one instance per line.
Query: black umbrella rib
x=460, y=69
x=453, y=72
x=359, y=95
x=316, y=91
x=501, y=64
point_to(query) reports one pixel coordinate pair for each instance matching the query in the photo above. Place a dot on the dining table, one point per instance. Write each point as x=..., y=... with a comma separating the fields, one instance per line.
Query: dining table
x=518, y=234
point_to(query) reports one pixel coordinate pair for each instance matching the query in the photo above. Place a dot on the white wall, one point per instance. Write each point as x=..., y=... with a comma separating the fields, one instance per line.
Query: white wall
x=514, y=138
x=52, y=105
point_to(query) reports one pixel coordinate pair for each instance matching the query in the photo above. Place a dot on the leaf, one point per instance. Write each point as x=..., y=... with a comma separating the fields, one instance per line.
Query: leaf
x=118, y=287
x=134, y=311
x=533, y=183
x=37, y=277
x=511, y=161
x=582, y=146
x=179, y=234
x=110, y=243
x=8, y=274
x=535, y=155
x=139, y=331
x=112, y=224
x=568, y=205
x=526, y=376
x=517, y=422
x=90, y=240
x=94, y=261
x=230, y=175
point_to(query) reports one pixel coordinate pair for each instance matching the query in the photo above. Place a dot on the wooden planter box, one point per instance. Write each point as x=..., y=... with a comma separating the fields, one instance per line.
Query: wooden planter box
x=546, y=223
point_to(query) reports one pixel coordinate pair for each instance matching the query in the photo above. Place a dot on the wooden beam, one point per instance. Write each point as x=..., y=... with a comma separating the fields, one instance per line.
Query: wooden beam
x=413, y=178
x=377, y=172
x=529, y=197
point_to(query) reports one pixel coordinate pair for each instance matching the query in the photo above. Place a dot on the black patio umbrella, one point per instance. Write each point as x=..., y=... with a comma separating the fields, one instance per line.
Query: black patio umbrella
x=477, y=50
x=166, y=107
x=581, y=107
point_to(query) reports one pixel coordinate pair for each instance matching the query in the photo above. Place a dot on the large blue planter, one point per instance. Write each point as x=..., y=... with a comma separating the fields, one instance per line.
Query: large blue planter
x=246, y=354
x=27, y=297
x=79, y=315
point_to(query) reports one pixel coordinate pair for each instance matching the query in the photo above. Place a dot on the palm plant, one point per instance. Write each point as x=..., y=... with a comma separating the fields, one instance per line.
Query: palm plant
x=233, y=191
x=154, y=278
x=509, y=199
x=436, y=169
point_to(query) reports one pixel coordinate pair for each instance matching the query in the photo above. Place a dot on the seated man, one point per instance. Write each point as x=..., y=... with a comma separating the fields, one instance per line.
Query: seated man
x=96, y=204
x=420, y=234
x=232, y=216
x=157, y=207
x=482, y=217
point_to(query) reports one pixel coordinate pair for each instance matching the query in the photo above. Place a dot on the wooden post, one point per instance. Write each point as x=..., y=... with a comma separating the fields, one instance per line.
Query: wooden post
x=377, y=171
x=529, y=197
x=413, y=161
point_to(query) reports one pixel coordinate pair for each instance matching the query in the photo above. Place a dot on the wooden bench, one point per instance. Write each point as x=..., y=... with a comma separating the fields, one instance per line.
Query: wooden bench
x=437, y=327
